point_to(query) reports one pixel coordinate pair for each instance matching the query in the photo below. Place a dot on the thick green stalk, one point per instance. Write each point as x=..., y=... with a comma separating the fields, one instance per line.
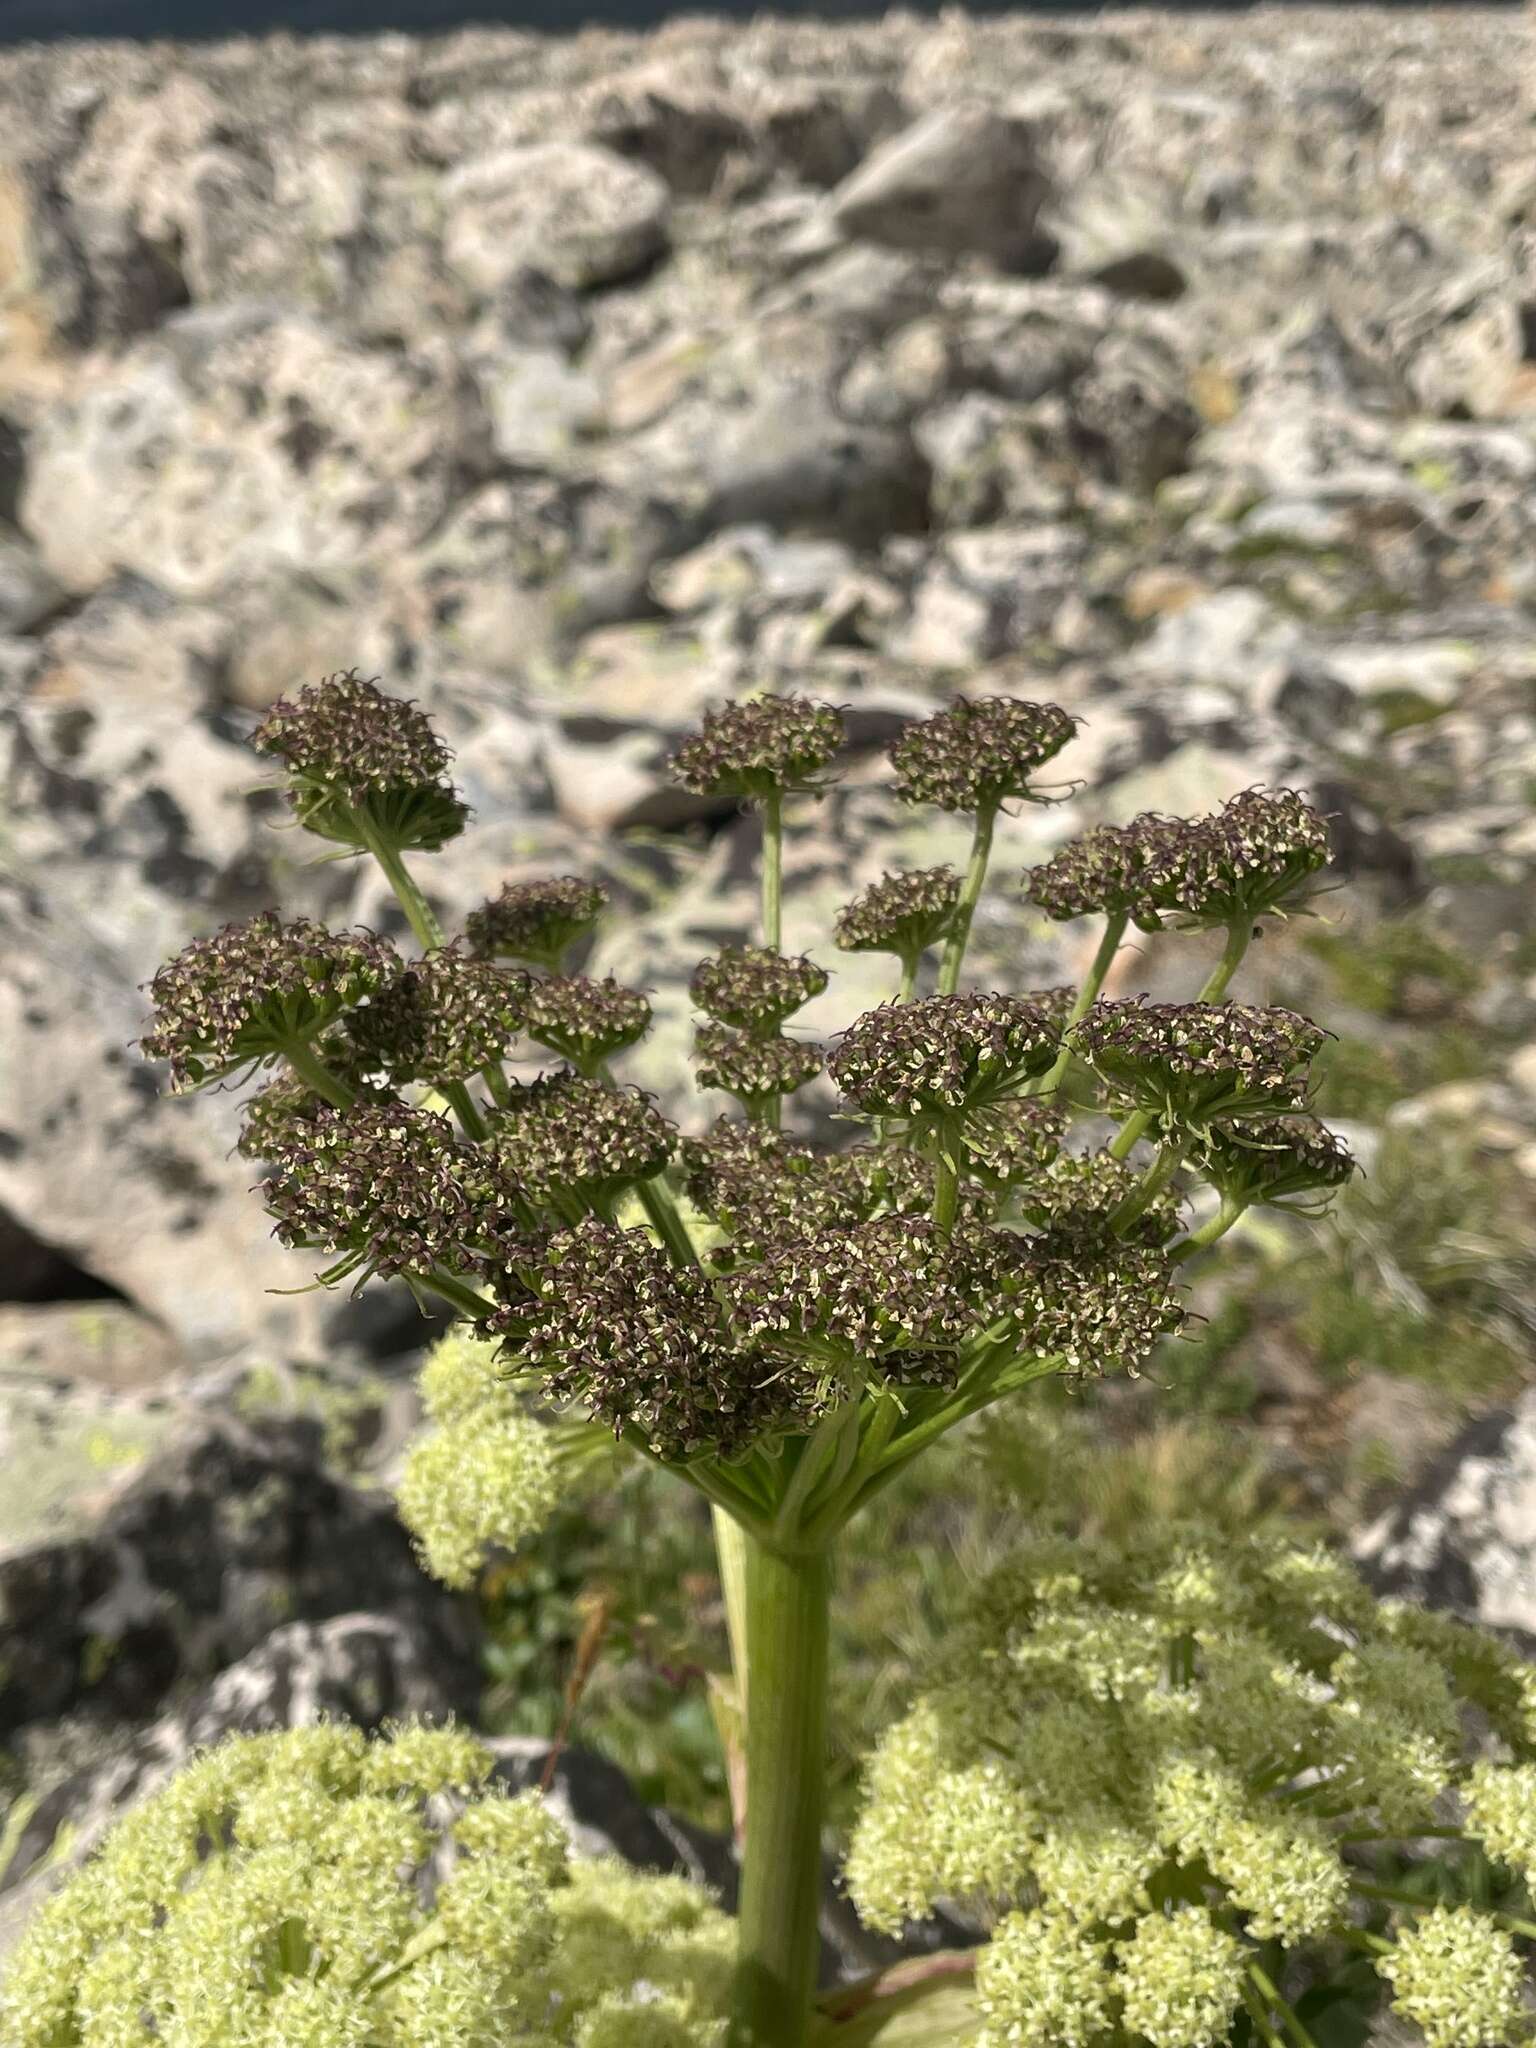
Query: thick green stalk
x=778, y=1934
x=970, y=896
x=1207, y=1234
x=1082, y=1003
x=908, y=977
x=1239, y=936
x=731, y=1555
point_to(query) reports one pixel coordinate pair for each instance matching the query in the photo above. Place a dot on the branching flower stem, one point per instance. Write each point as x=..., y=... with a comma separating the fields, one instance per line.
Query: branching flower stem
x=1218, y=1226
x=1148, y=1188
x=1087, y=996
x=1239, y=937
x=423, y=922
x=970, y=896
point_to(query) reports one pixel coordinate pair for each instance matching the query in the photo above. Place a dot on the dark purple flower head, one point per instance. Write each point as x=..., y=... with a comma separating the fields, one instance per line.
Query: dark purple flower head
x=567, y=1137
x=943, y=1056
x=1076, y=1194
x=754, y=988
x=386, y=1188
x=1106, y=870
x=1194, y=1064
x=442, y=1018
x=359, y=763
x=978, y=754
x=585, y=1021
x=607, y=1320
x=1012, y=1141
x=1276, y=1159
x=1101, y=1305
x=869, y=1294
x=1258, y=855
x=536, y=921
x=753, y=1069
x=753, y=749
x=252, y=990
x=900, y=914
x=766, y=1191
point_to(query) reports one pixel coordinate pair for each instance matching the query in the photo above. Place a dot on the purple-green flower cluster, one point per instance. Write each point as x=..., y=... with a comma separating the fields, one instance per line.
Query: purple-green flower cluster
x=1258, y=855
x=536, y=921
x=253, y=991
x=1193, y=1064
x=708, y=1294
x=942, y=1056
x=979, y=753
x=359, y=763
x=766, y=746
x=606, y=1320
x=753, y=988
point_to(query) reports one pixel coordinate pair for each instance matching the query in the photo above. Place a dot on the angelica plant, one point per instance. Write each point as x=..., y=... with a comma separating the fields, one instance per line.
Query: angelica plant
x=318, y=1889
x=1165, y=1775
x=782, y=1326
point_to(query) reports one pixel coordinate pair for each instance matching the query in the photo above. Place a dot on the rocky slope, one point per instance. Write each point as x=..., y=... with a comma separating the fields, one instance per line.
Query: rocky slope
x=1181, y=368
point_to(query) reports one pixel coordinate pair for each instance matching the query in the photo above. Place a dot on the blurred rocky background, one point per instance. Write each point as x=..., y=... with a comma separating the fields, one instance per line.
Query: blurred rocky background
x=1179, y=369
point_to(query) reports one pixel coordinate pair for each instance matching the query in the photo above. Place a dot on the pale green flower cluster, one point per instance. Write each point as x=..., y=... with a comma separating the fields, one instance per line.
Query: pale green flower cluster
x=318, y=1889
x=1154, y=1767
x=484, y=1473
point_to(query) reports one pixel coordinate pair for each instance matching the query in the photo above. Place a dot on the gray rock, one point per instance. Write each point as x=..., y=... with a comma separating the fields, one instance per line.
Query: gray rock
x=581, y=214
x=28, y=594
x=364, y=1668
x=1463, y=1537
x=203, y=1531
x=242, y=440
x=963, y=177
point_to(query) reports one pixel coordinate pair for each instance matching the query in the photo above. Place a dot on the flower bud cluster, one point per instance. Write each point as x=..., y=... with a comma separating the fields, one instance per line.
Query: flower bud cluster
x=566, y=1138
x=604, y=1318
x=281, y=1117
x=753, y=1069
x=754, y=988
x=1099, y=1303
x=979, y=753
x=536, y=921
x=1256, y=856
x=389, y=1188
x=244, y=995
x=900, y=914
x=765, y=745
x=893, y=1292
x=482, y=1474
x=1145, y=1760
x=1076, y=1194
x=942, y=1056
x=439, y=1019
x=358, y=761
x=765, y=1190
x=1194, y=1064
x=1011, y=1142
x=585, y=1021
x=385, y=1891
x=1275, y=1159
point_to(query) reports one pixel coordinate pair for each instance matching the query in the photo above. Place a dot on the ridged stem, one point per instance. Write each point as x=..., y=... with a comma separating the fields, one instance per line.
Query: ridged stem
x=787, y=1606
